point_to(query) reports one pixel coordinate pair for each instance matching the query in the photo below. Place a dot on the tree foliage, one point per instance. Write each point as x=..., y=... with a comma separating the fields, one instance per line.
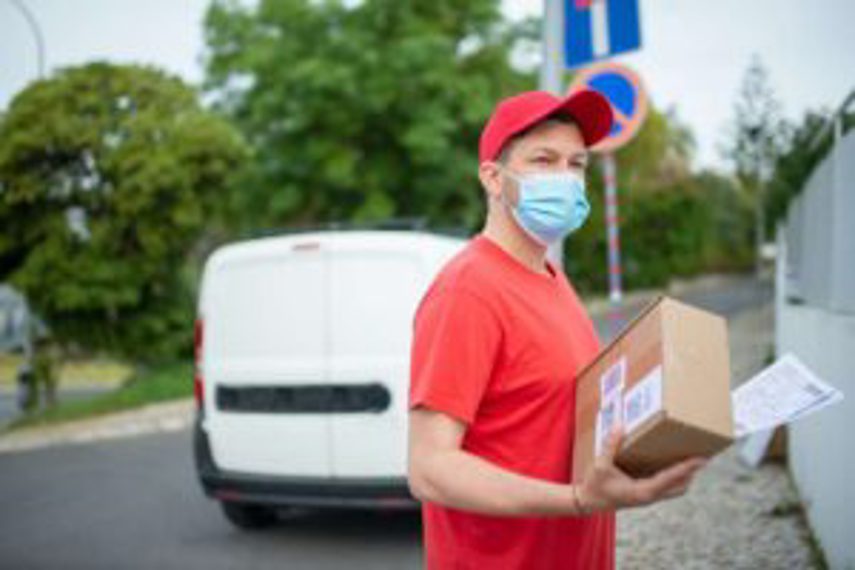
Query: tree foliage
x=673, y=222
x=795, y=165
x=759, y=132
x=700, y=222
x=108, y=174
x=361, y=111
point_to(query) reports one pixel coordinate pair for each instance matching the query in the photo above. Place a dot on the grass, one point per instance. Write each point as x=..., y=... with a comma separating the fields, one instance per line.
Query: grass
x=795, y=508
x=89, y=372
x=157, y=383
x=786, y=509
x=816, y=552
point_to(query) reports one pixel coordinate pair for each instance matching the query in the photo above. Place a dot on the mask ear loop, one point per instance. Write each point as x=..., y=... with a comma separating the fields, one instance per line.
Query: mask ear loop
x=513, y=207
x=503, y=196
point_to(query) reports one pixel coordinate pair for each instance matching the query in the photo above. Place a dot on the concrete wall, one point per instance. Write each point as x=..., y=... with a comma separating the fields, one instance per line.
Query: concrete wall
x=820, y=235
x=815, y=297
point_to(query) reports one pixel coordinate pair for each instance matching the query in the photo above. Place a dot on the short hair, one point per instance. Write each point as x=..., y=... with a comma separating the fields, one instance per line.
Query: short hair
x=553, y=119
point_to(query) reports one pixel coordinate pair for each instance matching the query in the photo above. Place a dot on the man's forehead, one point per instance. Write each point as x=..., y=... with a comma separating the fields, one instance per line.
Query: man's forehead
x=554, y=136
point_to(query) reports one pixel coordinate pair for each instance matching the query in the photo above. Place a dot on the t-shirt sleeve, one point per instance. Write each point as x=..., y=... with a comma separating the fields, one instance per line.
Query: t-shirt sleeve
x=455, y=342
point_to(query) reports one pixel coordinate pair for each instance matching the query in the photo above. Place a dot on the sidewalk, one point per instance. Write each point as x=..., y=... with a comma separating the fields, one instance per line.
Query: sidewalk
x=155, y=418
x=600, y=306
x=733, y=517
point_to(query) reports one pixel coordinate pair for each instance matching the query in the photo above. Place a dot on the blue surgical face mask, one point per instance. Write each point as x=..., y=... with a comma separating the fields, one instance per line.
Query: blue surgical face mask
x=551, y=205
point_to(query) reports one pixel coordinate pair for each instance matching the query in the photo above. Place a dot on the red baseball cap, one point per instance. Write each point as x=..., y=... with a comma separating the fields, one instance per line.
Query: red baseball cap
x=591, y=111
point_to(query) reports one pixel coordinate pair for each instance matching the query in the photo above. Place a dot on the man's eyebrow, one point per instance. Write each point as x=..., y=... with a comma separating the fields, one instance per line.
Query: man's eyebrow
x=583, y=154
x=548, y=149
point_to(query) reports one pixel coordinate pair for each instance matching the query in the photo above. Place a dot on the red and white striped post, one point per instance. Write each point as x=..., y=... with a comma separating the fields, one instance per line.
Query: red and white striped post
x=627, y=122
x=613, y=239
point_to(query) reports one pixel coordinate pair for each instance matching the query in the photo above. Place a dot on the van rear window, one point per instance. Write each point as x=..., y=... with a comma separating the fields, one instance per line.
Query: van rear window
x=312, y=399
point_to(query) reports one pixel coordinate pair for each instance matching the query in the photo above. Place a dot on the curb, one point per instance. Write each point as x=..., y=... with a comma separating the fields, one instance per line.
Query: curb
x=170, y=416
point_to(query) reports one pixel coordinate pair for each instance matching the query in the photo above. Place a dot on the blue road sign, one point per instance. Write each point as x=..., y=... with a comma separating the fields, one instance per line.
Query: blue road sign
x=623, y=88
x=597, y=29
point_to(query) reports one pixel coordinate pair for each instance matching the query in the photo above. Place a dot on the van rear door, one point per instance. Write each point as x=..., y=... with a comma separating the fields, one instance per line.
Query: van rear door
x=374, y=288
x=265, y=315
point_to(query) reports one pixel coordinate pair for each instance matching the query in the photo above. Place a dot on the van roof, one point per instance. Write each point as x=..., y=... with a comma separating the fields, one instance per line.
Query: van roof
x=380, y=239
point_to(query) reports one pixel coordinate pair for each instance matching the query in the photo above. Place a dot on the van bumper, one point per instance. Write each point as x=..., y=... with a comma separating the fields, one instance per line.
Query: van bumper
x=388, y=493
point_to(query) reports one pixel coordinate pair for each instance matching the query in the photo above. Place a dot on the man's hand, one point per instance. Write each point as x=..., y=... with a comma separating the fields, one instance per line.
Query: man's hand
x=605, y=487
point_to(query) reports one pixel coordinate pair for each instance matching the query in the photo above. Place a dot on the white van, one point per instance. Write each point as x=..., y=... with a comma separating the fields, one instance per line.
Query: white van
x=302, y=368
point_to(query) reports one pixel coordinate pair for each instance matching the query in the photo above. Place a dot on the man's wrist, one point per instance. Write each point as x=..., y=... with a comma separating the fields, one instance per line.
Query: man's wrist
x=578, y=504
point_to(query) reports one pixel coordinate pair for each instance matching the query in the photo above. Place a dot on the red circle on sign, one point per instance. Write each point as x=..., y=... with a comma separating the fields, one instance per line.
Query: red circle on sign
x=630, y=125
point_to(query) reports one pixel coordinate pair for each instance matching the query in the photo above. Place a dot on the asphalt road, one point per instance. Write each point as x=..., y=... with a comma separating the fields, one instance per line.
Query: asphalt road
x=135, y=503
x=738, y=294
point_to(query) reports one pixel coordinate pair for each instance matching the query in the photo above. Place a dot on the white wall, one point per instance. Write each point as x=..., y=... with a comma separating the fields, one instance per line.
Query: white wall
x=822, y=447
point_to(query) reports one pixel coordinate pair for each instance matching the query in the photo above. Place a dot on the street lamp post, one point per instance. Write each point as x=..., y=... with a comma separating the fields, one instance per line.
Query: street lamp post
x=27, y=341
x=37, y=33
x=755, y=133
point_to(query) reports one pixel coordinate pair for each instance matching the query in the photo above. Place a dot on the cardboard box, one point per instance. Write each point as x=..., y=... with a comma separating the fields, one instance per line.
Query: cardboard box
x=668, y=376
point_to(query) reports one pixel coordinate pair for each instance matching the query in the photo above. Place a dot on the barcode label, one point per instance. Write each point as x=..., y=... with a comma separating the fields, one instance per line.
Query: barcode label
x=642, y=400
x=611, y=382
x=610, y=414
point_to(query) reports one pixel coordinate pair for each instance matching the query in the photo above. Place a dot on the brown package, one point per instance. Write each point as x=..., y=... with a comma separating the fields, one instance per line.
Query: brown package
x=668, y=376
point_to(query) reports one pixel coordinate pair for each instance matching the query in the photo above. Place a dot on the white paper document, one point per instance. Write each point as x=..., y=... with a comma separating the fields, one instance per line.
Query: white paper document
x=785, y=391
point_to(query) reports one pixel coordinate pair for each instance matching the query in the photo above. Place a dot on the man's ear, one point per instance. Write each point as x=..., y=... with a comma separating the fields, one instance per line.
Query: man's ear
x=491, y=179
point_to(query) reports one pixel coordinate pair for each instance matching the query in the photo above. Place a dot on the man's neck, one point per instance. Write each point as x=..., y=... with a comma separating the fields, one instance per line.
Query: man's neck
x=507, y=235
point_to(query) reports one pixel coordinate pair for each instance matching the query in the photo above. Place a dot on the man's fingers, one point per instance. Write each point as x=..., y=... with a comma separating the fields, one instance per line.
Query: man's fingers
x=679, y=486
x=680, y=469
x=678, y=490
x=672, y=477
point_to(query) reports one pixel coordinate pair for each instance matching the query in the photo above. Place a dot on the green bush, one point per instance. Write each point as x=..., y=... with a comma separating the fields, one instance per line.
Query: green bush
x=150, y=384
x=697, y=225
x=109, y=177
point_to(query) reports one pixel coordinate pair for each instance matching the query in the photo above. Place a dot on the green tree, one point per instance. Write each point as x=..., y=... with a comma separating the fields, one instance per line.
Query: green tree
x=654, y=176
x=362, y=111
x=759, y=137
x=108, y=174
x=729, y=237
x=660, y=155
x=794, y=167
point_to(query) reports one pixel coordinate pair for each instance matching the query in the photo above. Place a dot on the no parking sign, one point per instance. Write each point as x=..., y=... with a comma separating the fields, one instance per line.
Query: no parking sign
x=626, y=94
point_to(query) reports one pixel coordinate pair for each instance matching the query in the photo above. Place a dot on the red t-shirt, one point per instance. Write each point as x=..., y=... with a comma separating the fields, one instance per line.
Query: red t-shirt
x=498, y=346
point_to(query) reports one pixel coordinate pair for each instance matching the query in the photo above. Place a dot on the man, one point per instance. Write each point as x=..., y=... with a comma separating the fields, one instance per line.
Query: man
x=498, y=340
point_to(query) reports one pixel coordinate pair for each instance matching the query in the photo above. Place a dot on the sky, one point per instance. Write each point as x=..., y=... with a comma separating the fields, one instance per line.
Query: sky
x=693, y=57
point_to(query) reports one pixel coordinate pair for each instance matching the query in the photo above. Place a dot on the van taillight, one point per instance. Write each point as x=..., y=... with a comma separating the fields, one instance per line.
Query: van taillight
x=197, y=356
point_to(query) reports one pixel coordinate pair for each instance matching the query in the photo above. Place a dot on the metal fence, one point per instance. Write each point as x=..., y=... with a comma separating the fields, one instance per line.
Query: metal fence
x=820, y=234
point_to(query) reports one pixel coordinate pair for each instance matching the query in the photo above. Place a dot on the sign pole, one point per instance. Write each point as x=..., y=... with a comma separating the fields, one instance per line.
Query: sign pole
x=551, y=73
x=613, y=239
x=595, y=31
x=552, y=66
